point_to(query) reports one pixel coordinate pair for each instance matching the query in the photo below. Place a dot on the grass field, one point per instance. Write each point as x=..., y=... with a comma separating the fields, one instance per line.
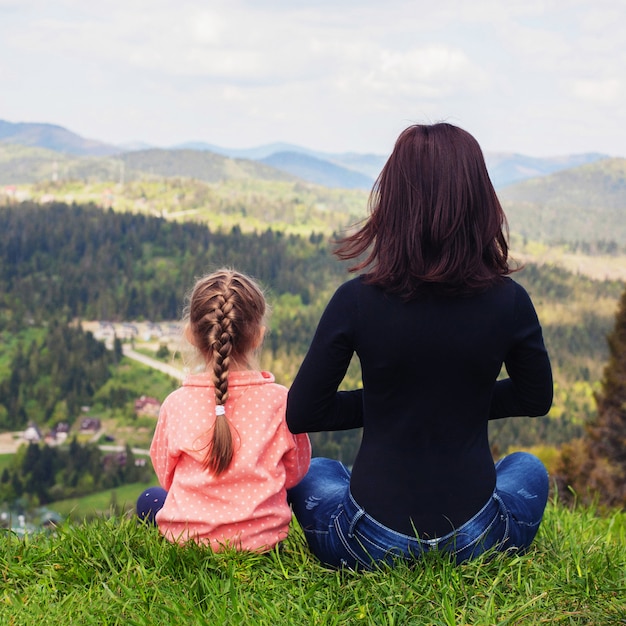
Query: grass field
x=5, y=461
x=98, y=504
x=117, y=571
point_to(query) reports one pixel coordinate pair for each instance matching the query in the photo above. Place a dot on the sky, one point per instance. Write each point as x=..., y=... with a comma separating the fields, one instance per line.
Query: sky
x=535, y=77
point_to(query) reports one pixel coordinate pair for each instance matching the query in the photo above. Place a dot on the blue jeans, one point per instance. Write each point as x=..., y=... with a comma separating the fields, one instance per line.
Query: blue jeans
x=341, y=534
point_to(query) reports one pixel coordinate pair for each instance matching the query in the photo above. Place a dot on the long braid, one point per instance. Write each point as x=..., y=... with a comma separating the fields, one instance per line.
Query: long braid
x=220, y=451
x=225, y=313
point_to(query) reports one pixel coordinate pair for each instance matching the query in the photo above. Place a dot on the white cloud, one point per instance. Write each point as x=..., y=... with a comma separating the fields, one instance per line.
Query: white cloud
x=431, y=72
x=334, y=75
x=603, y=92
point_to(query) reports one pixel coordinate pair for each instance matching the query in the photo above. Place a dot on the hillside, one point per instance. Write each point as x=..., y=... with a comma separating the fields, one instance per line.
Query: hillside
x=347, y=170
x=248, y=204
x=200, y=165
x=508, y=168
x=583, y=204
x=582, y=209
x=81, y=262
x=52, y=137
x=116, y=572
x=318, y=171
x=24, y=165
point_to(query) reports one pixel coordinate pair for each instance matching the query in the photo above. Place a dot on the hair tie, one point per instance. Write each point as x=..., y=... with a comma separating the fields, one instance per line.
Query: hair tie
x=219, y=409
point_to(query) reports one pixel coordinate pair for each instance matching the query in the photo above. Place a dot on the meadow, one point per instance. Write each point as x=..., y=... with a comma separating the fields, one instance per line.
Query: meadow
x=112, y=570
x=115, y=570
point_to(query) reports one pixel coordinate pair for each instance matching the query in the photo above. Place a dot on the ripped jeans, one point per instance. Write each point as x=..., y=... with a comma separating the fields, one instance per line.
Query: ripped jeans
x=341, y=534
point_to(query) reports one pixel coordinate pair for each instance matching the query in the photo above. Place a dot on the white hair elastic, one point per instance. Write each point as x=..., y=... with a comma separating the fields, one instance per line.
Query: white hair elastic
x=219, y=409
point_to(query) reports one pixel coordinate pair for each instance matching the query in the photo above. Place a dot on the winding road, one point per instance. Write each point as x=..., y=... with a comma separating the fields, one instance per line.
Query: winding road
x=170, y=370
x=10, y=441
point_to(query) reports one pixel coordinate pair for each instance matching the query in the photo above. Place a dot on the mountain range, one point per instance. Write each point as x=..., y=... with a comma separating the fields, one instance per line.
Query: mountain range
x=346, y=170
x=581, y=204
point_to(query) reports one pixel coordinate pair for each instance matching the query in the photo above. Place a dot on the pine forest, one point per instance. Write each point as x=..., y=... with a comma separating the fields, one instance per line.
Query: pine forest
x=96, y=257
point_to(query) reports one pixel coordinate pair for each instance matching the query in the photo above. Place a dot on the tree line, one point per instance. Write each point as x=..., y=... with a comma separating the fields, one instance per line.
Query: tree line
x=52, y=377
x=81, y=261
x=59, y=263
x=592, y=468
x=45, y=474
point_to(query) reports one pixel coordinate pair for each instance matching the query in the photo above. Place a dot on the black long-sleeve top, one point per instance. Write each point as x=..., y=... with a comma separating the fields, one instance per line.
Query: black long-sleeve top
x=429, y=369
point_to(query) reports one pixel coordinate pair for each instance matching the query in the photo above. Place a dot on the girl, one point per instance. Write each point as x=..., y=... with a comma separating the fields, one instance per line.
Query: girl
x=221, y=448
x=432, y=320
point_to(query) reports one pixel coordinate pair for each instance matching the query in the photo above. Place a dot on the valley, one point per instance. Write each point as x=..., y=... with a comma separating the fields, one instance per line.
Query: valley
x=113, y=259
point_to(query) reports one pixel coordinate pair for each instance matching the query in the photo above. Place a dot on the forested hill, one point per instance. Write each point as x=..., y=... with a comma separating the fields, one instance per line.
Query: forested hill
x=586, y=204
x=52, y=137
x=27, y=165
x=580, y=209
x=205, y=166
x=81, y=261
x=60, y=262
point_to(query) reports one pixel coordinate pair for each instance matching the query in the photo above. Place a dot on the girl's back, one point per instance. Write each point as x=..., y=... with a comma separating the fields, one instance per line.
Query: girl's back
x=221, y=449
x=246, y=505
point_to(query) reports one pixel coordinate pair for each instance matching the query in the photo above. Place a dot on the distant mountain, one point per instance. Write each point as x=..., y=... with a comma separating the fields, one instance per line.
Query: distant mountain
x=25, y=165
x=201, y=165
x=585, y=203
x=53, y=138
x=255, y=154
x=504, y=168
x=345, y=170
x=349, y=170
x=318, y=171
x=131, y=146
x=368, y=164
x=508, y=168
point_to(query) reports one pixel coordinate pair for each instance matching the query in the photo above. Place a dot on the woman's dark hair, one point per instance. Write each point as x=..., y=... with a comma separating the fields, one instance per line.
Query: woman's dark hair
x=434, y=218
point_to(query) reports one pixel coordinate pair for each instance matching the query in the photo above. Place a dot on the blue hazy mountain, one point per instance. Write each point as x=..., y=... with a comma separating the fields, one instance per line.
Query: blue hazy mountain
x=53, y=137
x=349, y=170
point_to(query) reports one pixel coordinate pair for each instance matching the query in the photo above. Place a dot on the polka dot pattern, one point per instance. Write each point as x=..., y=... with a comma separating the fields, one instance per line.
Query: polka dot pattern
x=246, y=506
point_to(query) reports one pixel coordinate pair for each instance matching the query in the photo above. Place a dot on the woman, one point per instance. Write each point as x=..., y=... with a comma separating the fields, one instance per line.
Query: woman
x=432, y=320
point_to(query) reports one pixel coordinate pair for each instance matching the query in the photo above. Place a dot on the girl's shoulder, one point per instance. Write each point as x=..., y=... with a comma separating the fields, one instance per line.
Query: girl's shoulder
x=260, y=379
x=272, y=386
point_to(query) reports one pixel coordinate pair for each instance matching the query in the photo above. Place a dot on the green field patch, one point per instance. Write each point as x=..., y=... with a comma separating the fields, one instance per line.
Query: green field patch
x=118, y=500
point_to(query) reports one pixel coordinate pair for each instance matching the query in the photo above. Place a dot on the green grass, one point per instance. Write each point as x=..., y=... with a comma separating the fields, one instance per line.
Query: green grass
x=6, y=461
x=77, y=509
x=117, y=571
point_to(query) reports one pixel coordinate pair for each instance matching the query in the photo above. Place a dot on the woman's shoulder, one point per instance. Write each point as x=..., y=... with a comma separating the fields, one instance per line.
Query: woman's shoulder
x=516, y=288
x=514, y=297
x=509, y=287
x=353, y=287
x=346, y=299
x=356, y=282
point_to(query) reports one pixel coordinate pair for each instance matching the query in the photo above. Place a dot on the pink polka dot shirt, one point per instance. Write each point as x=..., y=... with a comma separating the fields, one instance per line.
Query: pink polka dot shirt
x=246, y=506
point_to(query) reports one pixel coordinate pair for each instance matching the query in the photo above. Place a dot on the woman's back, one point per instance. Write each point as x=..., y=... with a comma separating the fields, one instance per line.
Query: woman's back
x=429, y=365
x=432, y=319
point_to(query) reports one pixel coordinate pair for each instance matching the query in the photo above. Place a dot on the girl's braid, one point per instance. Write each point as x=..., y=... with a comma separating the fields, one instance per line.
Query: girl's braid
x=226, y=313
x=222, y=345
x=221, y=341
